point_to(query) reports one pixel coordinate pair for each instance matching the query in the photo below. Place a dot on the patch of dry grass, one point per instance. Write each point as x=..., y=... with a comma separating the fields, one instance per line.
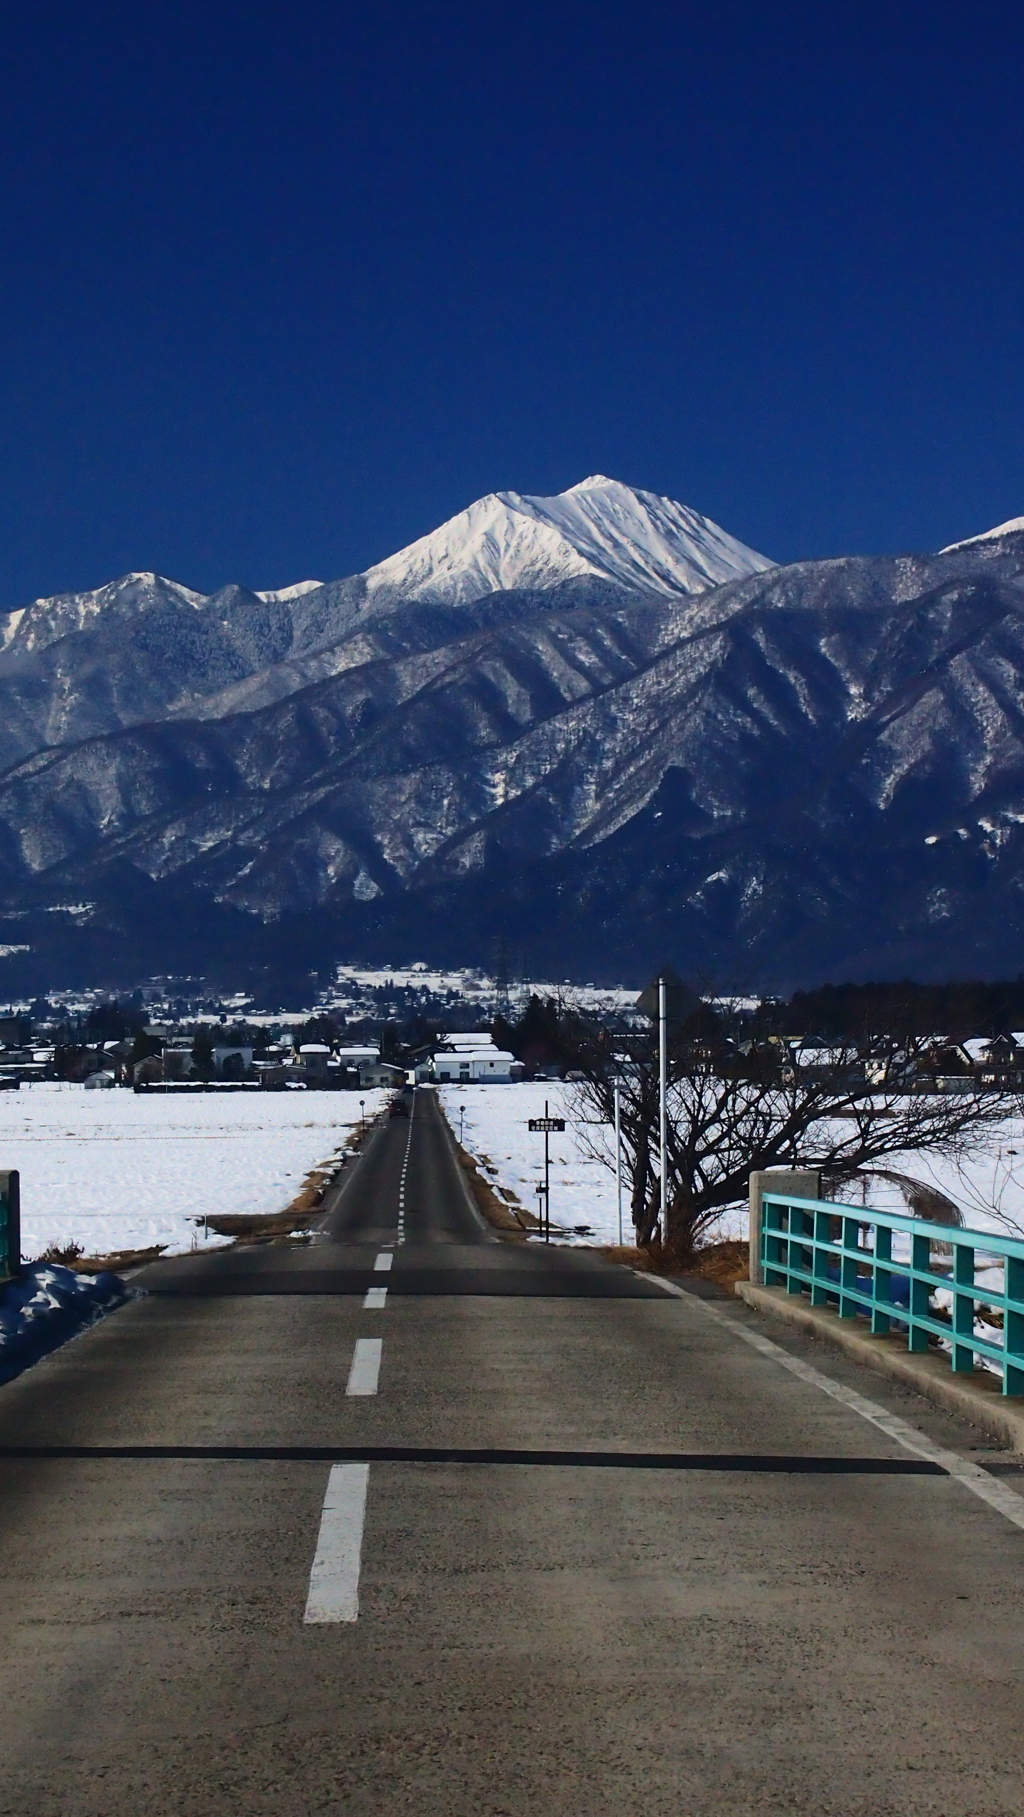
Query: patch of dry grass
x=627, y=1256
x=71, y=1255
x=722, y=1263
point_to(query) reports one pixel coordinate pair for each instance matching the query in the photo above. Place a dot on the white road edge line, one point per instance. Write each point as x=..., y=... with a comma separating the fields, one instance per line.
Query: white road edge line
x=384, y=1261
x=334, y=1578
x=376, y=1299
x=972, y=1476
x=365, y=1370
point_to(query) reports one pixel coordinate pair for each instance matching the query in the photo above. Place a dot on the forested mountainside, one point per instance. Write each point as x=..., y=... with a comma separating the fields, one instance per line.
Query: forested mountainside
x=785, y=774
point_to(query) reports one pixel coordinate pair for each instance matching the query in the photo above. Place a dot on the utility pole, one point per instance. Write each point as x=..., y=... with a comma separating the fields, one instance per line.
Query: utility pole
x=618, y=1154
x=501, y=978
x=662, y=1104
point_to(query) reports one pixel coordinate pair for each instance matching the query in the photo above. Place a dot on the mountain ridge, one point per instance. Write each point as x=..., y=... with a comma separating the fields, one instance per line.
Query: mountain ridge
x=805, y=766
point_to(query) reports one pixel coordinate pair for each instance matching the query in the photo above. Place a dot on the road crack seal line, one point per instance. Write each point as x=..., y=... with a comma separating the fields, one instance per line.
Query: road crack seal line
x=758, y=1463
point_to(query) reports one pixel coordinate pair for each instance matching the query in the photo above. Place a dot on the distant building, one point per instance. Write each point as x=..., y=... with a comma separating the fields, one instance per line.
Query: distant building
x=314, y=1061
x=381, y=1073
x=475, y=1065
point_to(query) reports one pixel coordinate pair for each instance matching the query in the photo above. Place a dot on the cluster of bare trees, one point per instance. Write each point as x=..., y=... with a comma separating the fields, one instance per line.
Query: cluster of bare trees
x=731, y=1111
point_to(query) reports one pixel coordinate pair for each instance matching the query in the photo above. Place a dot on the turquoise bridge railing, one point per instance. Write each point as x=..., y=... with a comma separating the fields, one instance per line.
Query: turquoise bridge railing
x=887, y=1268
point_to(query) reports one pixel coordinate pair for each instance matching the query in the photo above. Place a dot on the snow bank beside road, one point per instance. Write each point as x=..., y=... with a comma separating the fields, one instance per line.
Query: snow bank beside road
x=46, y=1306
x=114, y=1170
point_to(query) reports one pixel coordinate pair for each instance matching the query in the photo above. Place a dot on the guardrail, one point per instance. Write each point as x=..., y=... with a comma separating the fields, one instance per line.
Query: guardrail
x=887, y=1268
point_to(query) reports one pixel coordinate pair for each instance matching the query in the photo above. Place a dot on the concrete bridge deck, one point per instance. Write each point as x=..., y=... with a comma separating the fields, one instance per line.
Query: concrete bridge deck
x=609, y=1555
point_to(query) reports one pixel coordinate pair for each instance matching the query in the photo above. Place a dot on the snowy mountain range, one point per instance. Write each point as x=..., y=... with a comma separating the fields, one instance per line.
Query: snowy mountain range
x=595, y=726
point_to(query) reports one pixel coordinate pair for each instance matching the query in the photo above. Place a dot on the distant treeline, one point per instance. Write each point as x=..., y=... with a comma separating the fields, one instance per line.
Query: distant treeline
x=853, y=1010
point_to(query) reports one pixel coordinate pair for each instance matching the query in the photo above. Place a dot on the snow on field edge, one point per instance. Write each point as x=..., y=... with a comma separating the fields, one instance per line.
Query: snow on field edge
x=113, y=1170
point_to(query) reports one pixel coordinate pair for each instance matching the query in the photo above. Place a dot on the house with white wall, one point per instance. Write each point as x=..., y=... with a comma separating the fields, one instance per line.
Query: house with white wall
x=470, y=1065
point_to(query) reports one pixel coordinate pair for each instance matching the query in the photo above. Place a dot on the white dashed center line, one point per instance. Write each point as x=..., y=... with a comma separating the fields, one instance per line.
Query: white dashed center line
x=334, y=1579
x=405, y=1169
x=362, y=1377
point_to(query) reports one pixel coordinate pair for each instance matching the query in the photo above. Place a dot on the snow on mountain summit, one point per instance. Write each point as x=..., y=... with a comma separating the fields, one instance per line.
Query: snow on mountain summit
x=641, y=540
x=298, y=590
x=598, y=528
x=47, y=619
x=985, y=536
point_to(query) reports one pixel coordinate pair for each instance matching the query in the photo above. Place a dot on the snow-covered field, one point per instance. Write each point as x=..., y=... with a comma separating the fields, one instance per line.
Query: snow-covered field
x=112, y=1170
x=494, y=1119
x=989, y=1188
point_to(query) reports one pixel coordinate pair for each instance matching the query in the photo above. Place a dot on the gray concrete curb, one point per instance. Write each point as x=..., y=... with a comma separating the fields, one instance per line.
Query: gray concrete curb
x=976, y=1398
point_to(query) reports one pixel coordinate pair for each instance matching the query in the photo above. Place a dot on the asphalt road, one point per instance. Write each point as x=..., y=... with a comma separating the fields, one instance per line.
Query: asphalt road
x=542, y=1482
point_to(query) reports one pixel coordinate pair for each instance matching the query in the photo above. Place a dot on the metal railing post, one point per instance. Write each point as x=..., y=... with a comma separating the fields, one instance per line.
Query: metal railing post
x=963, y=1310
x=1013, y=1327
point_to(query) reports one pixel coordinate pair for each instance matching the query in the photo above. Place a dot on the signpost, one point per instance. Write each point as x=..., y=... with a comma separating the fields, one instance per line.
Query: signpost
x=10, y=1224
x=547, y=1126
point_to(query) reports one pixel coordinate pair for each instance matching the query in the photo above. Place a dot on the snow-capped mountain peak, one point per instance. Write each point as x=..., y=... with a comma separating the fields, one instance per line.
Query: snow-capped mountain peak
x=490, y=547
x=598, y=528
x=985, y=536
x=640, y=540
x=46, y=620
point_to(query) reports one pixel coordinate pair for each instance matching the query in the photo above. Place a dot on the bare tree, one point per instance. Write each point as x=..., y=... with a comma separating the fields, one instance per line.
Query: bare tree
x=731, y=1112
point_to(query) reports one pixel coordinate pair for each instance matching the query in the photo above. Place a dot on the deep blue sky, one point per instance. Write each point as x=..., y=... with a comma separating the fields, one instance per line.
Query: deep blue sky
x=285, y=285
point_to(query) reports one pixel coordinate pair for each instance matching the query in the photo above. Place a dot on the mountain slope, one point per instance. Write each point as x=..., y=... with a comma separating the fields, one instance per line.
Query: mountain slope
x=129, y=653
x=809, y=768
